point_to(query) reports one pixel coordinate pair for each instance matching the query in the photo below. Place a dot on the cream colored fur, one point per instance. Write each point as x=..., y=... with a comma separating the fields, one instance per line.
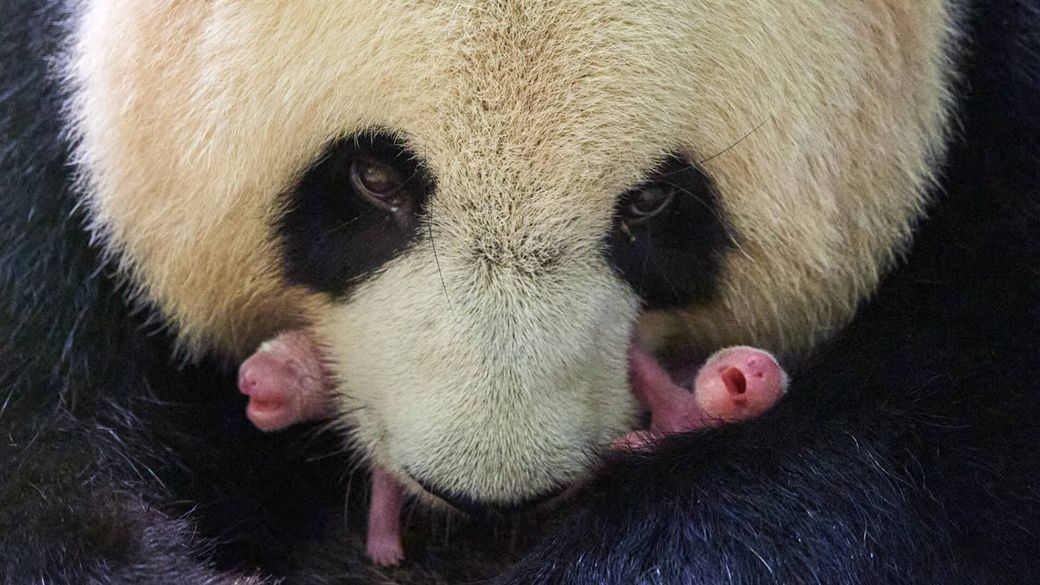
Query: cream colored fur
x=497, y=374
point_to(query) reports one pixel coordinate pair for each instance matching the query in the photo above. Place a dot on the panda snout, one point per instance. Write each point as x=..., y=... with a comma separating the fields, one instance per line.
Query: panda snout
x=480, y=509
x=504, y=380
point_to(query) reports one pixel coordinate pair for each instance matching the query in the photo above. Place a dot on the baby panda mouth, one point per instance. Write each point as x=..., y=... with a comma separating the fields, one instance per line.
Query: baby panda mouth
x=734, y=380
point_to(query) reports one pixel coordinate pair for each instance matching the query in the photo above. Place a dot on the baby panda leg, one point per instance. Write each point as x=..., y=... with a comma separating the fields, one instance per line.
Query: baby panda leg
x=383, y=542
x=734, y=384
x=287, y=383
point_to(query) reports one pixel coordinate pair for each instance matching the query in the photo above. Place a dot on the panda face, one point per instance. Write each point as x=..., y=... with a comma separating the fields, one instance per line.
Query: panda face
x=476, y=206
x=479, y=333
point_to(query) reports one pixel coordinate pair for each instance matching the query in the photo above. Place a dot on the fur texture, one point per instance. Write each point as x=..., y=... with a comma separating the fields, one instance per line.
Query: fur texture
x=533, y=119
x=210, y=110
x=905, y=451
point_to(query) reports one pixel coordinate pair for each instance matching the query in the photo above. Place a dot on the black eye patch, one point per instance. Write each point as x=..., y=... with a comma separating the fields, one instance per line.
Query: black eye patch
x=332, y=236
x=668, y=236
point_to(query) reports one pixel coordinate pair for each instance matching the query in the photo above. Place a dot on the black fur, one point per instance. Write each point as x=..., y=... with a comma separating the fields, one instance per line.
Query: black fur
x=673, y=258
x=906, y=451
x=331, y=237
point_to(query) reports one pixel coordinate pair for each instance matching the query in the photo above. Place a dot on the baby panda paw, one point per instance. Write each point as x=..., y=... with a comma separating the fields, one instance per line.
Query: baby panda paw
x=385, y=551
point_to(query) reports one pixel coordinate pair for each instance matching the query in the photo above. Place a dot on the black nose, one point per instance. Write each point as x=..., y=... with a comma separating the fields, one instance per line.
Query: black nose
x=474, y=507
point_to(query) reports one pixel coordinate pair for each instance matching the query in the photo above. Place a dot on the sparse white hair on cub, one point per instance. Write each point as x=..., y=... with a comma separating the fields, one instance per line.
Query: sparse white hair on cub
x=496, y=367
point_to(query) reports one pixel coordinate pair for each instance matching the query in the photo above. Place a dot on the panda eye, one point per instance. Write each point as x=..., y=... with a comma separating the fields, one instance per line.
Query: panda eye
x=646, y=202
x=378, y=183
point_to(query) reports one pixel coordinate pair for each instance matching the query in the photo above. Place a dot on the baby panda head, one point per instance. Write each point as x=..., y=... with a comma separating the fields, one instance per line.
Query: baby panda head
x=478, y=206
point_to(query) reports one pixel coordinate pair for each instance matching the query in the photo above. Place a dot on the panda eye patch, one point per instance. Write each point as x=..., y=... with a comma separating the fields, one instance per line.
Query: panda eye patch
x=668, y=235
x=353, y=210
x=379, y=183
x=646, y=202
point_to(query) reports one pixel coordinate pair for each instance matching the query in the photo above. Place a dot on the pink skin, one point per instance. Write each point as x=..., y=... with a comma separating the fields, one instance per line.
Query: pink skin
x=737, y=383
x=383, y=543
x=287, y=383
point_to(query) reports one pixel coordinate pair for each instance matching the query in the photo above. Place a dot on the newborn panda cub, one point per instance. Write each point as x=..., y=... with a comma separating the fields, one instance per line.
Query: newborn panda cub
x=287, y=383
x=736, y=383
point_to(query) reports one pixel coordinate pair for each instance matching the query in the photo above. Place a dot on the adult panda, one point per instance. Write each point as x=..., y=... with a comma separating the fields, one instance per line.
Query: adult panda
x=478, y=207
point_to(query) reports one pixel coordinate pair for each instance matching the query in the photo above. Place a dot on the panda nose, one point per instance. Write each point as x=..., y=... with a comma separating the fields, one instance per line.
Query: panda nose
x=474, y=507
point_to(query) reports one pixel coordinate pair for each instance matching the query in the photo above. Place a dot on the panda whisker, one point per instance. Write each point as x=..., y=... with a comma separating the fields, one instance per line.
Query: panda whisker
x=731, y=146
x=354, y=465
x=664, y=276
x=7, y=401
x=437, y=261
x=345, y=224
x=646, y=257
x=708, y=207
x=447, y=527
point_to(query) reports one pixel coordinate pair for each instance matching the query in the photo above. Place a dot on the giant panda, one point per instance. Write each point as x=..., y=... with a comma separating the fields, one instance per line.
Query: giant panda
x=478, y=208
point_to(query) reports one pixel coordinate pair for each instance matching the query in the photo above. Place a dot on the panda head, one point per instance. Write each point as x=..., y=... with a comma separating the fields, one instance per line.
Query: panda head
x=477, y=207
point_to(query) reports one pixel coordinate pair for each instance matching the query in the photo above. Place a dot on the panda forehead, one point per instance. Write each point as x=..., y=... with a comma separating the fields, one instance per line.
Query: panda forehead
x=555, y=99
x=551, y=100
x=472, y=175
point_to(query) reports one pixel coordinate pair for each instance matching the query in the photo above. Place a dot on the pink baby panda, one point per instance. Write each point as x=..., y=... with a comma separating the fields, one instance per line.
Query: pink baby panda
x=287, y=383
x=734, y=384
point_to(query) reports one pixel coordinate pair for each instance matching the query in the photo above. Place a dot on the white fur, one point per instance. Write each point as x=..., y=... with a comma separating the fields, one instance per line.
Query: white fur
x=496, y=375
